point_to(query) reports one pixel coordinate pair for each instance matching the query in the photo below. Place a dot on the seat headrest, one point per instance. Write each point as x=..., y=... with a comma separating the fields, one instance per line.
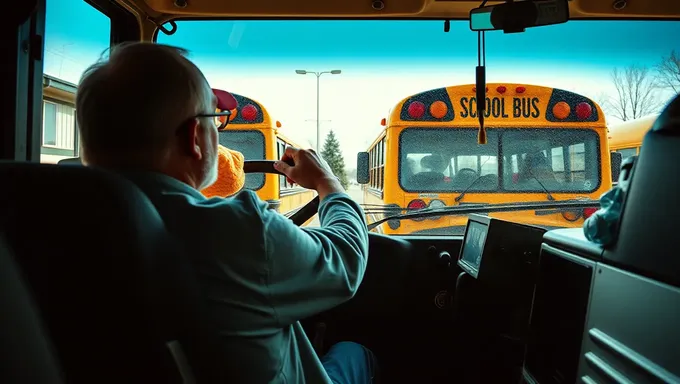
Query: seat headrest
x=536, y=159
x=435, y=162
x=668, y=121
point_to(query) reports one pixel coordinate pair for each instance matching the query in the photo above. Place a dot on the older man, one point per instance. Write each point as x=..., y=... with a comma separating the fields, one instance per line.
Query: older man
x=148, y=112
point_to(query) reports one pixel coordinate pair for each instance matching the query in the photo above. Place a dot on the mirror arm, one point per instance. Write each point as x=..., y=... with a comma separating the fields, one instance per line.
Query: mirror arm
x=480, y=81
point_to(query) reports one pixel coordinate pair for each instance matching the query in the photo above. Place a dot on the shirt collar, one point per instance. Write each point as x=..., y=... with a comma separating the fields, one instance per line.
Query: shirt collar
x=146, y=179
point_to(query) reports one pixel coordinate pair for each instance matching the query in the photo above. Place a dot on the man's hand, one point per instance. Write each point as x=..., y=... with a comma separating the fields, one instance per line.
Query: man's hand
x=309, y=170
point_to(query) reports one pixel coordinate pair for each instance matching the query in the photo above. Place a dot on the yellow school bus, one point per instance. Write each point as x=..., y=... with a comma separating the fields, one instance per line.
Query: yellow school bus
x=252, y=132
x=626, y=138
x=542, y=144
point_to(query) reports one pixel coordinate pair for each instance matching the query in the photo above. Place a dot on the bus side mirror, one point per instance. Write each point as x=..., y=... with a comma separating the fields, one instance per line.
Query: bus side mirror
x=616, y=160
x=362, y=168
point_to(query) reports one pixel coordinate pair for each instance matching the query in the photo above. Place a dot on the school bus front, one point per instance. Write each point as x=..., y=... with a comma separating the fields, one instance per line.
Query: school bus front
x=543, y=144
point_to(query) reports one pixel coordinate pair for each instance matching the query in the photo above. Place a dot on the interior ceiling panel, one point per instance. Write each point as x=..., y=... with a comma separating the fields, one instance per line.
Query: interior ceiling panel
x=452, y=9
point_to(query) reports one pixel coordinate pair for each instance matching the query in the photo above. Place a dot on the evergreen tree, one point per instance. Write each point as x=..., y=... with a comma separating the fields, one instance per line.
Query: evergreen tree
x=333, y=156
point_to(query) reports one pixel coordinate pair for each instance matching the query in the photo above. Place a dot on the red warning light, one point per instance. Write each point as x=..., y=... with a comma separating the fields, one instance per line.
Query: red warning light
x=583, y=110
x=520, y=89
x=416, y=204
x=416, y=110
x=587, y=212
x=501, y=89
x=249, y=112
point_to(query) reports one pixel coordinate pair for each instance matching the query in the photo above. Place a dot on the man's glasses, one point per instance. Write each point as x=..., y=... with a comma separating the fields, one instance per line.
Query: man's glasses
x=221, y=119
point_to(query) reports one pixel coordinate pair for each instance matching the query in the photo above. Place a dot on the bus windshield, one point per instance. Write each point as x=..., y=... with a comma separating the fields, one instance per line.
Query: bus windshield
x=449, y=160
x=403, y=91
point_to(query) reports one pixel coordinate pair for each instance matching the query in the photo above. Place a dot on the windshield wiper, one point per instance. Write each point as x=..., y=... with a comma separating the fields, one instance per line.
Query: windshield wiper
x=550, y=197
x=462, y=194
x=502, y=207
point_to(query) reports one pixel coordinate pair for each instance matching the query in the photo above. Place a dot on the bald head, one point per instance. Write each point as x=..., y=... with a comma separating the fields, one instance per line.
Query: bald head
x=131, y=104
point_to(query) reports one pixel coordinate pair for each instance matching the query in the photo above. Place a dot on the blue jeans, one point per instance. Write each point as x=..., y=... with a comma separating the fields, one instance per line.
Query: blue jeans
x=350, y=363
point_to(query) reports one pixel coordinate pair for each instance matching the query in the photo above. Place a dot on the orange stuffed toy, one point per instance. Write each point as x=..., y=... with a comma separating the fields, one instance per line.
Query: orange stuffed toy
x=230, y=175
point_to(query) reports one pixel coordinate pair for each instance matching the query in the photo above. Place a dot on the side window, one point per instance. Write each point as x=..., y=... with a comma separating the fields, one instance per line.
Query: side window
x=49, y=134
x=577, y=157
x=382, y=164
x=371, y=155
x=376, y=159
x=489, y=165
x=281, y=148
x=470, y=162
x=70, y=47
x=627, y=152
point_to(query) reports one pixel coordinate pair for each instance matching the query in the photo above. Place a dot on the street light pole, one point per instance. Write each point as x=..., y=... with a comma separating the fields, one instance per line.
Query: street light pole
x=318, y=121
x=318, y=117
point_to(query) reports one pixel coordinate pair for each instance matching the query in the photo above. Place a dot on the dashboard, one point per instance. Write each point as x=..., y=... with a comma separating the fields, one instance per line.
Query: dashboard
x=507, y=303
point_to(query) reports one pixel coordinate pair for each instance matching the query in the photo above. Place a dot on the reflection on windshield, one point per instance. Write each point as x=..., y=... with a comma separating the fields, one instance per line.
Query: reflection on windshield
x=251, y=145
x=450, y=160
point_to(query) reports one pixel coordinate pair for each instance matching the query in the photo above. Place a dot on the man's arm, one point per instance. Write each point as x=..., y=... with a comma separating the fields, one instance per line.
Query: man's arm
x=315, y=269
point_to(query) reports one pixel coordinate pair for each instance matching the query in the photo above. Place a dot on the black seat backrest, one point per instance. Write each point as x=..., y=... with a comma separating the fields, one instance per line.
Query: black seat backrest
x=631, y=330
x=70, y=161
x=647, y=241
x=117, y=296
x=27, y=354
x=624, y=300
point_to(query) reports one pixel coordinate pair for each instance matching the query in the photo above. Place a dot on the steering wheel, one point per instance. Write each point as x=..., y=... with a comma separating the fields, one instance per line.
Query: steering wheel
x=267, y=166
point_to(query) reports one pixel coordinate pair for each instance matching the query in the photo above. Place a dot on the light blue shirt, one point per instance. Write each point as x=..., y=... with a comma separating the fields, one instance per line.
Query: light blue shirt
x=263, y=273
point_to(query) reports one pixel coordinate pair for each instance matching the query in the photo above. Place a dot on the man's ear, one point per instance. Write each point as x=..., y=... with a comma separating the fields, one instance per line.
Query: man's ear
x=191, y=142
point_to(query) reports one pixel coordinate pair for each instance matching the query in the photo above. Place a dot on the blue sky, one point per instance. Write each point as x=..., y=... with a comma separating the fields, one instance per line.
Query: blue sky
x=401, y=43
x=78, y=31
x=382, y=61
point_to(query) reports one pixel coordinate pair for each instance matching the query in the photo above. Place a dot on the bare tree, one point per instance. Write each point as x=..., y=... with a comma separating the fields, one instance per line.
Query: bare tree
x=635, y=93
x=602, y=99
x=668, y=72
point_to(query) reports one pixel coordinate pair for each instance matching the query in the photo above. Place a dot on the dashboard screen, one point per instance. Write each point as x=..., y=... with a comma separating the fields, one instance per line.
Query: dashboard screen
x=474, y=243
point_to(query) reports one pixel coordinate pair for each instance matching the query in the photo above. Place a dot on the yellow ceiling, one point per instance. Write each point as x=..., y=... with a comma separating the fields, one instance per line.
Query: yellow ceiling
x=163, y=10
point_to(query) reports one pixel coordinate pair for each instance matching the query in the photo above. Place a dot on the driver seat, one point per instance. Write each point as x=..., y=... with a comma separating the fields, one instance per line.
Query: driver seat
x=27, y=354
x=118, y=300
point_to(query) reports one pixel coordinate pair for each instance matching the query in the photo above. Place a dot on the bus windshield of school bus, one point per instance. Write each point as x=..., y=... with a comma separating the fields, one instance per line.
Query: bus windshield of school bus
x=402, y=91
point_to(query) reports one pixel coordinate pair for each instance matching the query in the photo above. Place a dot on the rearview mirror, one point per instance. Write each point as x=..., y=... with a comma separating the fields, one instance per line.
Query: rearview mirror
x=616, y=160
x=516, y=16
x=362, y=168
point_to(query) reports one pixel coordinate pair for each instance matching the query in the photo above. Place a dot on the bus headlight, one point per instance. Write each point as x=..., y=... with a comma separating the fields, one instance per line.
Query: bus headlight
x=436, y=204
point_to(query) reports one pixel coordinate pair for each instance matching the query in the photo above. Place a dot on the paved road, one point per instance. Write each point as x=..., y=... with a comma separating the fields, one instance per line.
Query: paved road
x=355, y=193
